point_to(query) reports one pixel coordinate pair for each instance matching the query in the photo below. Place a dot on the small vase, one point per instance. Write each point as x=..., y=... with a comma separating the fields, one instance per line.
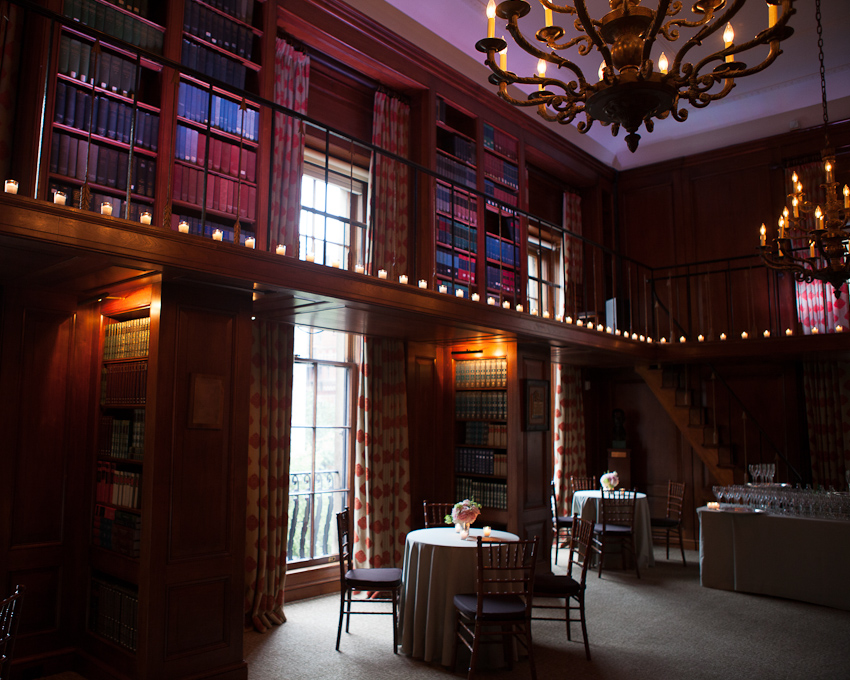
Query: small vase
x=461, y=526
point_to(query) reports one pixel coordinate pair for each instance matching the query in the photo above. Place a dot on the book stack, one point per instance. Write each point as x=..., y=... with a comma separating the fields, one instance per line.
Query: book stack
x=489, y=494
x=461, y=205
x=108, y=71
x=222, y=194
x=500, y=194
x=480, y=461
x=123, y=437
x=481, y=405
x=229, y=159
x=456, y=171
x=124, y=384
x=214, y=28
x=115, y=23
x=213, y=64
x=459, y=267
x=456, y=234
x=193, y=103
x=114, y=611
x=486, y=434
x=498, y=141
x=118, y=487
x=117, y=530
x=125, y=339
x=501, y=171
x=481, y=373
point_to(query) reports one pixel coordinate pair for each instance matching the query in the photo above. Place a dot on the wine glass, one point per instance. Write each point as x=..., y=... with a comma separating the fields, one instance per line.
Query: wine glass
x=753, y=467
x=847, y=476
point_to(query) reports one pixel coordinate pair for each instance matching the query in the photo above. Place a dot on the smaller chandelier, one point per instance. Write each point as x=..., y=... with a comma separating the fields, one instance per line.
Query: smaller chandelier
x=631, y=89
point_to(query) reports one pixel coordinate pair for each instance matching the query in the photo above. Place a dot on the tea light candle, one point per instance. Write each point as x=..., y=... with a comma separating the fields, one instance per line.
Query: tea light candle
x=649, y=339
x=533, y=312
x=600, y=327
x=281, y=249
x=105, y=208
x=487, y=532
x=723, y=336
x=443, y=288
x=682, y=338
x=250, y=242
x=145, y=217
x=569, y=319
x=382, y=273
x=839, y=328
x=403, y=279
x=183, y=227
x=767, y=334
x=475, y=297
x=617, y=331
x=744, y=335
x=491, y=301
x=11, y=186
x=506, y=304
x=641, y=338
x=713, y=505
x=519, y=308
x=459, y=293
x=359, y=269
x=579, y=322
x=700, y=337
x=59, y=198
x=309, y=257
x=789, y=332
x=663, y=340
x=335, y=264
x=546, y=314
x=608, y=329
x=634, y=336
x=217, y=235
x=559, y=318
x=815, y=330
x=423, y=283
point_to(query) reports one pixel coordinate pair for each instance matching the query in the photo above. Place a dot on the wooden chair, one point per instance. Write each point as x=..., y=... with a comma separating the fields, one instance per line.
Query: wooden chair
x=617, y=512
x=550, y=586
x=10, y=617
x=561, y=524
x=672, y=520
x=582, y=484
x=435, y=513
x=501, y=606
x=378, y=581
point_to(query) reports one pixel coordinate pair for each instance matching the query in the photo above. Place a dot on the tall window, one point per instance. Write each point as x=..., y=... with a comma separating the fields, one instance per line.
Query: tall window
x=333, y=210
x=544, y=272
x=321, y=448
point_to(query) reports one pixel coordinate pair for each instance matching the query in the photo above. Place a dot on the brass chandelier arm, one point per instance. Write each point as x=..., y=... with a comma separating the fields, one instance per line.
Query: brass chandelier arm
x=670, y=30
x=513, y=29
x=706, y=31
x=563, y=9
x=590, y=29
x=660, y=14
x=699, y=99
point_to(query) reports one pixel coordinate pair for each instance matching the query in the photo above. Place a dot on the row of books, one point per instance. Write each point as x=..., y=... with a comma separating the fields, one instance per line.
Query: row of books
x=489, y=494
x=118, y=487
x=125, y=339
x=498, y=141
x=110, y=72
x=502, y=223
x=456, y=234
x=222, y=194
x=459, y=267
x=123, y=437
x=481, y=373
x=482, y=405
x=481, y=462
x=500, y=194
x=457, y=146
x=218, y=30
x=459, y=204
x=238, y=9
x=500, y=280
x=101, y=164
x=456, y=172
x=502, y=171
x=114, y=612
x=124, y=383
x=107, y=117
x=196, y=226
x=115, y=23
x=117, y=530
x=193, y=103
x=502, y=251
x=134, y=6
x=226, y=158
x=485, y=434
x=213, y=64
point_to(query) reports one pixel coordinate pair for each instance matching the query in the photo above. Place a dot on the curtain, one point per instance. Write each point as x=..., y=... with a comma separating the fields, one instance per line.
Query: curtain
x=827, y=389
x=570, y=459
x=10, y=36
x=381, y=491
x=573, y=261
x=268, y=473
x=386, y=239
x=817, y=305
x=291, y=83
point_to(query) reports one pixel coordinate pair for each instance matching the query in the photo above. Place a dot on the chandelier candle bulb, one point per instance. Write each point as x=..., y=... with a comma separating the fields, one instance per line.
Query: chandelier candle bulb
x=403, y=279
x=728, y=39
x=491, y=19
x=763, y=235
x=541, y=72
x=772, y=15
x=846, y=196
x=813, y=253
x=819, y=217
x=662, y=63
x=281, y=249
x=423, y=283
x=12, y=186
x=503, y=58
x=548, y=16
x=105, y=208
x=217, y=235
x=183, y=227
x=145, y=218
x=382, y=273
x=828, y=169
x=795, y=204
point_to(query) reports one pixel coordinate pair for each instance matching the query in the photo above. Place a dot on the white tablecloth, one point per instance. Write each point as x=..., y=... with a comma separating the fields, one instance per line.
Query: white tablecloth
x=585, y=505
x=800, y=558
x=437, y=566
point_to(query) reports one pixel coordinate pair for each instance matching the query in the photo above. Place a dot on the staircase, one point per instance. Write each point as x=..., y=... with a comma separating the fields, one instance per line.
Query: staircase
x=670, y=386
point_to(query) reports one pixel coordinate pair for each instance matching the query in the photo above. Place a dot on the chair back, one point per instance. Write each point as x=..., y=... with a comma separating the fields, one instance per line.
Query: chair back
x=675, y=500
x=553, y=502
x=618, y=507
x=581, y=547
x=582, y=484
x=506, y=570
x=342, y=524
x=435, y=513
x=10, y=616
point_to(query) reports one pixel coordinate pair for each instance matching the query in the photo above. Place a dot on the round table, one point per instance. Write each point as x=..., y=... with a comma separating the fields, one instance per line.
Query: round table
x=585, y=505
x=438, y=565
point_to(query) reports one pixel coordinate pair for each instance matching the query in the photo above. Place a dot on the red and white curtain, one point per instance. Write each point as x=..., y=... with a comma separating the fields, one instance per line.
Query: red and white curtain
x=381, y=493
x=817, y=305
x=827, y=390
x=573, y=260
x=10, y=35
x=268, y=473
x=570, y=458
x=386, y=238
x=291, y=84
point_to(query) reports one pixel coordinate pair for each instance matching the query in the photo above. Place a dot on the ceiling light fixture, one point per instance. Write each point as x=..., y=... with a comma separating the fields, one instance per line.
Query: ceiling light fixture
x=822, y=234
x=631, y=89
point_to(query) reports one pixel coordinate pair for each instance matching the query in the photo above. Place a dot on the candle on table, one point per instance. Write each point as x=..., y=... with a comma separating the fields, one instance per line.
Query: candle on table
x=487, y=532
x=12, y=186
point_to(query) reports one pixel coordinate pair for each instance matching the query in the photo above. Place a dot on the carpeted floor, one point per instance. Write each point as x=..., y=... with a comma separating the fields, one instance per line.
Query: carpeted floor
x=663, y=626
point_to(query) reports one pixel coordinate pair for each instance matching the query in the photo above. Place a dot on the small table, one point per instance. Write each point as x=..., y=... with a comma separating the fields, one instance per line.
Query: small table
x=438, y=565
x=585, y=505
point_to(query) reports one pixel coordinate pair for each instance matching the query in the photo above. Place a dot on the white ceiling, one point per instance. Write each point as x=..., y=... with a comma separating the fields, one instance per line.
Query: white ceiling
x=785, y=96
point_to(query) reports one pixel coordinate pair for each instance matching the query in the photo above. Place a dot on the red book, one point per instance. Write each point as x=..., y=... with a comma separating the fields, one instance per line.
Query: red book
x=221, y=193
x=252, y=203
x=177, y=189
x=192, y=183
x=234, y=160
x=202, y=149
x=212, y=192
x=249, y=165
x=244, y=199
x=231, y=195
x=216, y=155
x=225, y=158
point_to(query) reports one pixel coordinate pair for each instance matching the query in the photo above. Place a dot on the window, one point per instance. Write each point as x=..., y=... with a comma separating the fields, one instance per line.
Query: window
x=333, y=209
x=544, y=273
x=321, y=443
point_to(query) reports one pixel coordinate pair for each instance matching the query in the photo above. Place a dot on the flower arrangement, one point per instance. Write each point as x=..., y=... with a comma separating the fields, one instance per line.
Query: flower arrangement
x=464, y=512
x=610, y=481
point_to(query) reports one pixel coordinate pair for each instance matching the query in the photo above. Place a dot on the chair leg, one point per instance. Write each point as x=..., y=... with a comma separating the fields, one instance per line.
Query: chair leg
x=473, y=660
x=395, y=621
x=341, y=609
x=682, y=547
x=601, y=557
x=530, y=650
x=634, y=554
x=584, y=627
x=507, y=650
x=348, y=610
x=568, y=617
x=668, y=544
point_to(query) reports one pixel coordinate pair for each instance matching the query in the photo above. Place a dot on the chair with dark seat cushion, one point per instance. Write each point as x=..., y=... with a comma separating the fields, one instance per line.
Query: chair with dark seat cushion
x=551, y=586
x=10, y=617
x=500, y=609
x=383, y=583
x=617, y=514
x=672, y=520
x=435, y=513
x=561, y=524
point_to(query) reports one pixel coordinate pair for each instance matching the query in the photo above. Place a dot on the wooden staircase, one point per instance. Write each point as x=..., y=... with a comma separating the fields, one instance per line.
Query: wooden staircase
x=689, y=415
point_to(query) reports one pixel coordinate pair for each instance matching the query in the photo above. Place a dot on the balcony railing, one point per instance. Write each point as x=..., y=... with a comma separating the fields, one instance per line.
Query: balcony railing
x=314, y=501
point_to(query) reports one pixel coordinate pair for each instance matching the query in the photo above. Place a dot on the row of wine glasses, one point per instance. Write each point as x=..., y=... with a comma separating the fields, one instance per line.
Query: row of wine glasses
x=762, y=473
x=784, y=500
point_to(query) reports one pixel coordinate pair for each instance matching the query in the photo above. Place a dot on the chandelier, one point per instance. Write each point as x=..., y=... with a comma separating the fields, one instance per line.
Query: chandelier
x=630, y=88
x=824, y=230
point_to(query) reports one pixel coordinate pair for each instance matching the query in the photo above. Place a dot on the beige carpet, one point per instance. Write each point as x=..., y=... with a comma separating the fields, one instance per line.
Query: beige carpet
x=663, y=626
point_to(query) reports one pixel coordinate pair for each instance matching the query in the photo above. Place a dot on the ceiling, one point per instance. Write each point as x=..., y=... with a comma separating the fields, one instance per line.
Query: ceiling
x=786, y=96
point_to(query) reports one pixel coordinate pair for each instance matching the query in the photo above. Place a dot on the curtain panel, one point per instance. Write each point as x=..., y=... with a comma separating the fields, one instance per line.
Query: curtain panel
x=268, y=473
x=387, y=235
x=291, y=85
x=381, y=493
x=570, y=458
x=827, y=389
x=817, y=305
x=573, y=260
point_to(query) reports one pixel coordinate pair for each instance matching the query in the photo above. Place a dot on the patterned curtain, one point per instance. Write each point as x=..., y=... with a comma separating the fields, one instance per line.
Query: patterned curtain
x=381, y=491
x=812, y=296
x=386, y=238
x=291, y=83
x=573, y=261
x=10, y=35
x=268, y=473
x=827, y=390
x=570, y=458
